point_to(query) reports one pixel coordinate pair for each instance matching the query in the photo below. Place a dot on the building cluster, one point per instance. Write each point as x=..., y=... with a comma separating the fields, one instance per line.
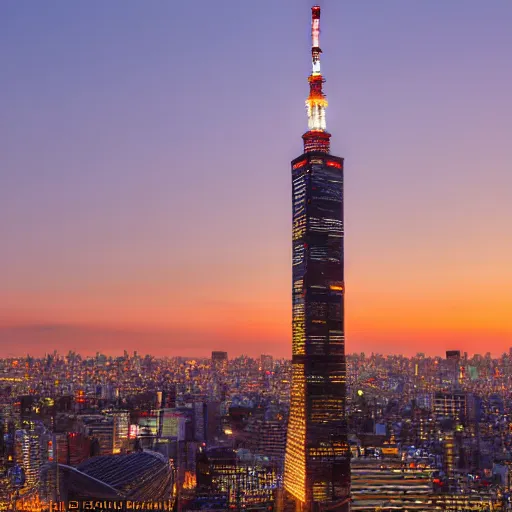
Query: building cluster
x=424, y=433
x=216, y=430
x=446, y=421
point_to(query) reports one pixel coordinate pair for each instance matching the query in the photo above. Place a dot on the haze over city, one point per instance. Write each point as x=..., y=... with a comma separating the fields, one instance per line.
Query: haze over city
x=145, y=197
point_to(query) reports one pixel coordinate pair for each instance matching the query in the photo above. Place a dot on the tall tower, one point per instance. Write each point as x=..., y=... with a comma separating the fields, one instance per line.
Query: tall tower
x=317, y=463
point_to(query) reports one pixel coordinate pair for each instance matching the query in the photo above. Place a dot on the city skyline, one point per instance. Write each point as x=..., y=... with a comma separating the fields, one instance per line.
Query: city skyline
x=132, y=212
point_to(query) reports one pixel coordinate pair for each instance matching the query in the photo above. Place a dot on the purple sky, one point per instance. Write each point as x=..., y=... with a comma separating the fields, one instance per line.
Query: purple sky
x=145, y=181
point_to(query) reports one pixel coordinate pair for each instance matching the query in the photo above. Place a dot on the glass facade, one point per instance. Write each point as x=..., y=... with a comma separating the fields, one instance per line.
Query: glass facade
x=317, y=466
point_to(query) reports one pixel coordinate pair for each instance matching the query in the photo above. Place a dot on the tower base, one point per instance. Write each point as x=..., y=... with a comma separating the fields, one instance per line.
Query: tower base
x=285, y=502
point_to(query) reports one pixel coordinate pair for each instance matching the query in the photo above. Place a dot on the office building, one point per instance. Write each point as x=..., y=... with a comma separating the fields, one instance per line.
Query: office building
x=450, y=406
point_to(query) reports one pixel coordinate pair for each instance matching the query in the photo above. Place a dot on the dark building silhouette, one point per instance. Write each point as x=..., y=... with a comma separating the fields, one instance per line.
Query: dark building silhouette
x=219, y=357
x=453, y=354
x=317, y=464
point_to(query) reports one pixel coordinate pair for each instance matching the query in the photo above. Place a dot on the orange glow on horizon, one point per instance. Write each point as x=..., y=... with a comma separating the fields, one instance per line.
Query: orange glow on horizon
x=397, y=326
x=391, y=307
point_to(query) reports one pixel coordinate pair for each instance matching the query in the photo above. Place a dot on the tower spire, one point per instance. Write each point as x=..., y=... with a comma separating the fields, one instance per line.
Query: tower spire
x=317, y=138
x=315, y=39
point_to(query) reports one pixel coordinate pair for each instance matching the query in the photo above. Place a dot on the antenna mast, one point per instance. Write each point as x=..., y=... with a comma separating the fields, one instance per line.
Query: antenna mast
x=317, y=138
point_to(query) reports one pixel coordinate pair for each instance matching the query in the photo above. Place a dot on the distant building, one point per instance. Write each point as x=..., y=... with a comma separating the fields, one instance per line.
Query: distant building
x=213, y=421
x=449, y=460
x=101, y=431
x=219, y=357
x=29, y=455
x=453, y=355
x=200, y=413
x=174, y=424
x=266, y=436
x=234, y=479
x=70, y=448
x=450, y=406
x=219, y=375
x=121, y=421
x=267, y=362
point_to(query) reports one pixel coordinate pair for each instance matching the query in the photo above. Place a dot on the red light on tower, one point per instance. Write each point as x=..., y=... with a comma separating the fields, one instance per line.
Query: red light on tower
x=300, y=164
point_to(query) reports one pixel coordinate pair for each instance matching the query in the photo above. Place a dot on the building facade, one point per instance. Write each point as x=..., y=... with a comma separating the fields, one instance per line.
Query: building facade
x=317, y=464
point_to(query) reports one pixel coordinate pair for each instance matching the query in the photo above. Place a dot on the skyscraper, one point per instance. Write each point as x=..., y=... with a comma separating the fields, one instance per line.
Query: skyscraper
x=317, y=464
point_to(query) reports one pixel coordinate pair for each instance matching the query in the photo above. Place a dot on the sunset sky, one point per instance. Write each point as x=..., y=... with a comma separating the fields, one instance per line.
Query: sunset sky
x=145, y=190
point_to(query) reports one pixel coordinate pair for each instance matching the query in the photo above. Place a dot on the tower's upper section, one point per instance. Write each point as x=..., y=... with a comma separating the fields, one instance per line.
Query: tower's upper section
x=316, y=138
